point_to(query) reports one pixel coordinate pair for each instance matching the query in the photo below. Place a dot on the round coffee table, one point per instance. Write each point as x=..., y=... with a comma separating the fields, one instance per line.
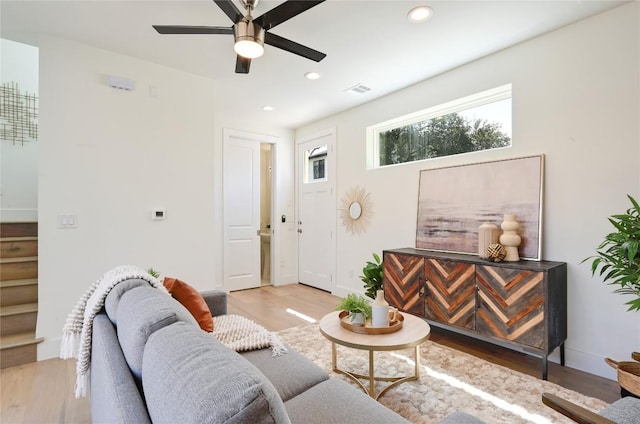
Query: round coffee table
x=413, y=333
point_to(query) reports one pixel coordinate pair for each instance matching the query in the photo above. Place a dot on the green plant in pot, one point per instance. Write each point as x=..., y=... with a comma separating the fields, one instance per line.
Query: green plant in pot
x=372, y=276
x=359, y=308
x=618, y=256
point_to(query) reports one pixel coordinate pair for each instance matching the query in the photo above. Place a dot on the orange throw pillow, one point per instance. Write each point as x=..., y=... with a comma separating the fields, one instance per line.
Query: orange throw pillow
x=192, y=300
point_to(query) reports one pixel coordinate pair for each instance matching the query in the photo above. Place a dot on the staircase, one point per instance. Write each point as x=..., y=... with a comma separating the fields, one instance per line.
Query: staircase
x=18, y=293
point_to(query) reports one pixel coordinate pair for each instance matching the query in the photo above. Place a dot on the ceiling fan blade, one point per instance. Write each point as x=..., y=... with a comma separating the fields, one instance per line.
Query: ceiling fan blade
x=181, y=29
x=242, y=65
x=293, y=47
x=230, y=10
x=284, y=12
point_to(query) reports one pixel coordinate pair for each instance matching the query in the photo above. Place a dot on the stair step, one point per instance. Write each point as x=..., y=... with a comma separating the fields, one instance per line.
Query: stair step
x=18, y=229
x=19, y=339
x=16, y=319
x=15, y=292
x=24, y=308
x=17, y=283
x=15, y=247
x=19, y=349
x=18, y=268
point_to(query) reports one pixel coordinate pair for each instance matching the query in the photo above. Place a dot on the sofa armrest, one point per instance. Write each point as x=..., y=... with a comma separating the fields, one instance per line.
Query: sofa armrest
x=576, y=413
x=216, y=301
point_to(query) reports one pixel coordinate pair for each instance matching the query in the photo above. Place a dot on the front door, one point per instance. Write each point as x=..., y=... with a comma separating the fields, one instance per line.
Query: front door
x=316, y=211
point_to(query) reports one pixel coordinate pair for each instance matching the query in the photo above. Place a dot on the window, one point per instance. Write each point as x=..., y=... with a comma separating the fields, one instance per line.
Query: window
x=316, y=164
x=478, y=122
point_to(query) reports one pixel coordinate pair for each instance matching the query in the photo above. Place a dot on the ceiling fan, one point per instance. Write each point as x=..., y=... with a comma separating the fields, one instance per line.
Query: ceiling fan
x=251, y=33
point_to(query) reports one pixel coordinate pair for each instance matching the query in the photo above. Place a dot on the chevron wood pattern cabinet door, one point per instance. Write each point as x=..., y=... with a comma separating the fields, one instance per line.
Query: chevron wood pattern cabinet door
x=451, y=289
x=511, y=304
x=404, y=282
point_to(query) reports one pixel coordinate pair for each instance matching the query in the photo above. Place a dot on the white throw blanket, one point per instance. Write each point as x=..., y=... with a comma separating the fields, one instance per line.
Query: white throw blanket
x=242, y=334
x=77, y=332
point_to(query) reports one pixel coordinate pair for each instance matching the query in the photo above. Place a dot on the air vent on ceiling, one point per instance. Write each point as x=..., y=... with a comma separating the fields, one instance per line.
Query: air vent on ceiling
x=358, y=89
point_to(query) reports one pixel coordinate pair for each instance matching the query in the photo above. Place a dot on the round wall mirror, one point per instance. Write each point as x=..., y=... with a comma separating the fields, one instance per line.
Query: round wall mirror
x=355, y=210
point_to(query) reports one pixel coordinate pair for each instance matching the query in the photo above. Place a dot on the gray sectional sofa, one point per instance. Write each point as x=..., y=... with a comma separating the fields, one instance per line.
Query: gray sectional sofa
x=151, y=362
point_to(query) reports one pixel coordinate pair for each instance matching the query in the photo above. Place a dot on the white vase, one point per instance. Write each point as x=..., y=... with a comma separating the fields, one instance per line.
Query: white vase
x=379, y=311
x=488, y=234
x=510, y=238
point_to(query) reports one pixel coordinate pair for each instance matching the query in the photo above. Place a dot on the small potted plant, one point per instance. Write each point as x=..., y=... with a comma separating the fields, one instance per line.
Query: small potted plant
x=618, y=256
x=359, y=308
x=372, y=276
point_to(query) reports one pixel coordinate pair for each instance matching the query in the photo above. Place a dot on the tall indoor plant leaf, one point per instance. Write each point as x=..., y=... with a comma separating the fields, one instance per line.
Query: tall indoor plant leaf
x=617, y=258
x=372, y=276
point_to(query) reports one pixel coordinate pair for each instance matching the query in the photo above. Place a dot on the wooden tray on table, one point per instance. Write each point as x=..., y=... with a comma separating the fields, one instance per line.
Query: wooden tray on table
x=367, y=328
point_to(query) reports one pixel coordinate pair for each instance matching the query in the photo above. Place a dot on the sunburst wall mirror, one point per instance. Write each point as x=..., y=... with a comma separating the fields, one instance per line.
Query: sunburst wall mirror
x=356, y=210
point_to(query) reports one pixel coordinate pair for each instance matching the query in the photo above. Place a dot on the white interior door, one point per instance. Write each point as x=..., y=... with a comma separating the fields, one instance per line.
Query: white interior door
x=241, y=194
x=316, y=211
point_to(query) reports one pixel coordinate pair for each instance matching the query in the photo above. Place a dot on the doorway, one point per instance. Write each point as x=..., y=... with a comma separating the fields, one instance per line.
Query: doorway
x=316, y=210
x=247, y=190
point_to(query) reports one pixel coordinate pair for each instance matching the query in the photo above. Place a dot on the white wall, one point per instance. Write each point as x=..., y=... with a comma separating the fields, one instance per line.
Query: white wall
x=19, y=162
x=112, y=156
x=576, y=100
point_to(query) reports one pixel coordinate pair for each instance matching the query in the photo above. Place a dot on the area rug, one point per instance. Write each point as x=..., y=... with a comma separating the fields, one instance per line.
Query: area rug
x=450, y=381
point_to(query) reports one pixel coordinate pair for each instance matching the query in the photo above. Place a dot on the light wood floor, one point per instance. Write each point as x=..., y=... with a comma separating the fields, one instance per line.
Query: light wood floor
x=42, y=392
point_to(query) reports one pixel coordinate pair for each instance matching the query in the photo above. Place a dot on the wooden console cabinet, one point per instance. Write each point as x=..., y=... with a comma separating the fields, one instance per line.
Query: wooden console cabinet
x=519, y=305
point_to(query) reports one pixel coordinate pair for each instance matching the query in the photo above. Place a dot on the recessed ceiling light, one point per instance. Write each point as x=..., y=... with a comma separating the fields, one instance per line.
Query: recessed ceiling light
x=312, y=75
x=267, y=108
x=420, y=14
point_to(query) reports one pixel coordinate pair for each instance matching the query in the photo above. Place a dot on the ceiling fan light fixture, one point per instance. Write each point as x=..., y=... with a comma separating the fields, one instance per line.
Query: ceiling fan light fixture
x=420, y=14
x=249, y=39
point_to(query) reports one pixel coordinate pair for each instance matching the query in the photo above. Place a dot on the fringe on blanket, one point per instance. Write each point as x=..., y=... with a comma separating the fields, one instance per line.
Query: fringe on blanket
x=242, y=334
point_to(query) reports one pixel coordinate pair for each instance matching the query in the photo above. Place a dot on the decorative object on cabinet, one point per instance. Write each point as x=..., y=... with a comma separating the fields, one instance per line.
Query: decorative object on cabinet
x=356, y=210
x=510, y=238
x=488, y=234
x=496, y=252
x=453, y=201
x=518, y=305
x=618, y=256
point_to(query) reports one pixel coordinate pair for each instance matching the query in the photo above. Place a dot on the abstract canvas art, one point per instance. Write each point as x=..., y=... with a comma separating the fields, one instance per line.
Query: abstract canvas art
x=454, y=201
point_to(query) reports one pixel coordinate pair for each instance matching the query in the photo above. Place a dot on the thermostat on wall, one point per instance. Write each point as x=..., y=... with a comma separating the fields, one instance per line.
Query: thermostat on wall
x=158, y=214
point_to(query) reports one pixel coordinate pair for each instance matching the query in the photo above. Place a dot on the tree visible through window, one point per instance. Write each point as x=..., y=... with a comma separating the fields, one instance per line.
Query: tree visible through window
x=481, y=126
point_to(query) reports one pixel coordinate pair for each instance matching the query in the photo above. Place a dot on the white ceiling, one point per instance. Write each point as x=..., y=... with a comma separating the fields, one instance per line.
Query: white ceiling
x=367, y=42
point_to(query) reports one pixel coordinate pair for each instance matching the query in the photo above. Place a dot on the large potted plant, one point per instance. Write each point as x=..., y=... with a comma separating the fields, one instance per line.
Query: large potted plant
x=372, y=276
x=617, y=258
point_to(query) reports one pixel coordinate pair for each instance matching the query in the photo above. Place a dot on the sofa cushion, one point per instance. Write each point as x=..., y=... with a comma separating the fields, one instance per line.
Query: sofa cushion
x=291, y=373
x=189, y=377
x=335, y=402
x=192, y=300
x=113, y=298
x=623, y=411
x=141, y=312
x=115, y=398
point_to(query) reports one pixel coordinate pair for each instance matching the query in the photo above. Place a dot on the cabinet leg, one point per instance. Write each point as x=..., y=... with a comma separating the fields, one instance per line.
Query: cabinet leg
x=562, y=354
x=544, y=367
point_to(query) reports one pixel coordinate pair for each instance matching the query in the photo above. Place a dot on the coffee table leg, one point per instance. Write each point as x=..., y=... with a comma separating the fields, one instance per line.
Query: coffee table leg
x=417, y=361
x=372, y=378
x=334, y=356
